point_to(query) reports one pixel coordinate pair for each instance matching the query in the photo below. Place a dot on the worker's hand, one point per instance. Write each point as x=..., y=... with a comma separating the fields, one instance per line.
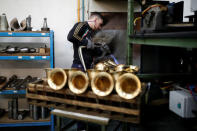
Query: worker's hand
x=90, y=44
x=105, y=48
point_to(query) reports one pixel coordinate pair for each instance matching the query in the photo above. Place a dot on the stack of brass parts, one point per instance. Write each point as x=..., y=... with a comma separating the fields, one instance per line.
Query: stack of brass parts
x=103, y=79
x=111, y=67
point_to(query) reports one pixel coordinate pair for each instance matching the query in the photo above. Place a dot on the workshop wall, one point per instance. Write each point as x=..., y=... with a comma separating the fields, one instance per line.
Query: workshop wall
x=61, y=15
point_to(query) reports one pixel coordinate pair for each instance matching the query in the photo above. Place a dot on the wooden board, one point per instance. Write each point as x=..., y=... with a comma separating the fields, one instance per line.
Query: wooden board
x=111, y=106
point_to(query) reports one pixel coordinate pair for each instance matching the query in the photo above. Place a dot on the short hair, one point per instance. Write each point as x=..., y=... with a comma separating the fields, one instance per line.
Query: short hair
x=99, y=15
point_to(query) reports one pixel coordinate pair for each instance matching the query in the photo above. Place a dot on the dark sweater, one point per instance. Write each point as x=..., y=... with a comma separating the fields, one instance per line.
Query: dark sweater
x=77, y=36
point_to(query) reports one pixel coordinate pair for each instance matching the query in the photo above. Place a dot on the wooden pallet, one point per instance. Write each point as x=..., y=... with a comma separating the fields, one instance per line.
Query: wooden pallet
x=112, y=106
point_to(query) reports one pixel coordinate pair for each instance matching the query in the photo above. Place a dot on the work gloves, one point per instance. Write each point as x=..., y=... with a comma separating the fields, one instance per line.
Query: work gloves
x=90, y=44
x=105, y=49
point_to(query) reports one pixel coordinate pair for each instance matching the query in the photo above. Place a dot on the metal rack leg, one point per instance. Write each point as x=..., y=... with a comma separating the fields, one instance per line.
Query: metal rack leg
x=103, y=128
x=52, y=123
x=58, y=119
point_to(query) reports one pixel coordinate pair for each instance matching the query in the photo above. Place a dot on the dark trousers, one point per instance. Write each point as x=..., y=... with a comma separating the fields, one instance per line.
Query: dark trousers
x=78, y=66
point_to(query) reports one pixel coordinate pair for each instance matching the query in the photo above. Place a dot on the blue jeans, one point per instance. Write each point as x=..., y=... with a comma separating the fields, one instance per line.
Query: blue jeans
x=78, y=66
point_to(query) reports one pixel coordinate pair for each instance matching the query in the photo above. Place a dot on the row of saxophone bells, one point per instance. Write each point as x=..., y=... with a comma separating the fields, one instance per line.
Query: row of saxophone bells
x=102, y=83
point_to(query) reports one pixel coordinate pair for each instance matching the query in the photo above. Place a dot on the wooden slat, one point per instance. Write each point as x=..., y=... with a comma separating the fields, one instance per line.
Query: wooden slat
x=84, y=104
x=87, y=94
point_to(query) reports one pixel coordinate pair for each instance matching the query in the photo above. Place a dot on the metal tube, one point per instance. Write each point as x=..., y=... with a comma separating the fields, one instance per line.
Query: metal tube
x=83, y=10
x=35, y=112
x=15, y=108
x=31, y=110
x=130, y=30
x=81, y=57
x=10, y=109
x=78, y=10
x=43, y=112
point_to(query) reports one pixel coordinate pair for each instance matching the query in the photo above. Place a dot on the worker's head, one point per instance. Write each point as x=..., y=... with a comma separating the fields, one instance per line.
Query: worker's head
x=96, y=21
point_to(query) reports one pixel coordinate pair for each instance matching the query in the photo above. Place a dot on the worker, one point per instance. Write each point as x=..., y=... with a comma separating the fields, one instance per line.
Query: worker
x=81, y=35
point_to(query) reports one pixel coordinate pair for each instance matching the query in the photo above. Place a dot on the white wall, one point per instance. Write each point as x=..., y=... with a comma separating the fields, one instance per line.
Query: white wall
x=61, y=15
x=109, y=6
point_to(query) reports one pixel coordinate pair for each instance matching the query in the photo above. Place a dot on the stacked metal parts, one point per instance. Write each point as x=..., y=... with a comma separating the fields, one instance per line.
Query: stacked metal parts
x=16, y=83
x=103, y=79
x=37, y=112
x=24, y=25
x=13, y=112
x=45, y=27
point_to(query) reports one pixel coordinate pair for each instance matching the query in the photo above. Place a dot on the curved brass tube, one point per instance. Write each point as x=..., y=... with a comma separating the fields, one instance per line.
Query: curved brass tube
x=56, y=78
x=77, y=81
x=128, y=86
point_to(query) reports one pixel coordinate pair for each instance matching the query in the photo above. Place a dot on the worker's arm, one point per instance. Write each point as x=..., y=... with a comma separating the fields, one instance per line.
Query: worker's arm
x=78, y=34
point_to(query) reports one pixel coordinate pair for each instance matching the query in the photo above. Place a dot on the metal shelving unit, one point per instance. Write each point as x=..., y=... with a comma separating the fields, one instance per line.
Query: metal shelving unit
x=28, y=121
x=25, y=58
x=170, y=39
x=11, y=92
x=5, y=122
x=31, y=34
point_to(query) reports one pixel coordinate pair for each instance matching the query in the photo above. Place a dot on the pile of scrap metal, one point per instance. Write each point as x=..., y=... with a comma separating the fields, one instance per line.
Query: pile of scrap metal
x=101, y=80
x=15, y=83
x=10, y=50
x=25, y=25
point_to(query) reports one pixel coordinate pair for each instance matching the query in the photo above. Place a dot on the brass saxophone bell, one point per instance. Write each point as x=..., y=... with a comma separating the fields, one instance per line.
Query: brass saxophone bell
x=56, y=78
x=77, y=81
x=102, y=83
x=128, y=85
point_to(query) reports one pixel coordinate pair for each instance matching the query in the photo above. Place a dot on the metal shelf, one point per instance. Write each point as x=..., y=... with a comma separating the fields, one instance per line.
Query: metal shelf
x=31, y=34
x=165, y=76
x=173, y=39
x=27, y=121
x=25, y=124
x=25, y=57
x=25, y=34
x=171, y=42
x=8, y=92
